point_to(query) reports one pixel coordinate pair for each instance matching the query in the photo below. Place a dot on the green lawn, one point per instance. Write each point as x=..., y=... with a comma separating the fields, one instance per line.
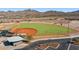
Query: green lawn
x=45, y=29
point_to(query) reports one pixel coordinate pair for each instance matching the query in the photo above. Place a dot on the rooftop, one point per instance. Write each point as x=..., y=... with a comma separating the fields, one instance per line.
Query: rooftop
x=15, y=39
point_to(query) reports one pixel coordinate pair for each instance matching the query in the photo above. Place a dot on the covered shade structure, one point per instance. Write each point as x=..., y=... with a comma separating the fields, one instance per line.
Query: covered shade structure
x=13, y=40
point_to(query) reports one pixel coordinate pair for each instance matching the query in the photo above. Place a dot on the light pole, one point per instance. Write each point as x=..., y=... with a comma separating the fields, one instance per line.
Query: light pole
x=68, y=27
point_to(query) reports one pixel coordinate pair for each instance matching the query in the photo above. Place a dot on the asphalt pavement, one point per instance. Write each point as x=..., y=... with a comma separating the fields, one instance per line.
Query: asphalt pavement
x=64, y=43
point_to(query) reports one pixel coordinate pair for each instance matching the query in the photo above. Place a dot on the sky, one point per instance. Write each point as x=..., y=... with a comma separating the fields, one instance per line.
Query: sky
x=41, y=9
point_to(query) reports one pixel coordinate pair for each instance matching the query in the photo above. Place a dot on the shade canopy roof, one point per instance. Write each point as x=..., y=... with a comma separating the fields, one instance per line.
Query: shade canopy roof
x=15, y=39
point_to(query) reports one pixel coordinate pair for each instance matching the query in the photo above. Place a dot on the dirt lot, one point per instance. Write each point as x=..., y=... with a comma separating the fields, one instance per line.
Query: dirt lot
x=74, y=25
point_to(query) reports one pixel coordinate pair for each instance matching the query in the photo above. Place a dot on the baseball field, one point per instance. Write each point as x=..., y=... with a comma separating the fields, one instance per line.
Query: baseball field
x=45, y=29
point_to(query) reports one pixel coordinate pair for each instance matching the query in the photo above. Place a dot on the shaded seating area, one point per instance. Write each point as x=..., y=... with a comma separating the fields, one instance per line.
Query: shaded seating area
x=6, y=33
x=13, y=41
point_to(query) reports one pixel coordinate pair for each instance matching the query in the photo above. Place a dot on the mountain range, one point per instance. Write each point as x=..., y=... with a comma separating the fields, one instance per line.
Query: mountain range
x=36, y=14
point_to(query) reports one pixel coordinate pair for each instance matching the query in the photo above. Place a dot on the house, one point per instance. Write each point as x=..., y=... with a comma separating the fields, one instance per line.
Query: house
x=15, y=40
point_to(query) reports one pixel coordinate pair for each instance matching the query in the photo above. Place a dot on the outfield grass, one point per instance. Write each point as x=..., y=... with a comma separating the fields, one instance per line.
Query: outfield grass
x=45, y=29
